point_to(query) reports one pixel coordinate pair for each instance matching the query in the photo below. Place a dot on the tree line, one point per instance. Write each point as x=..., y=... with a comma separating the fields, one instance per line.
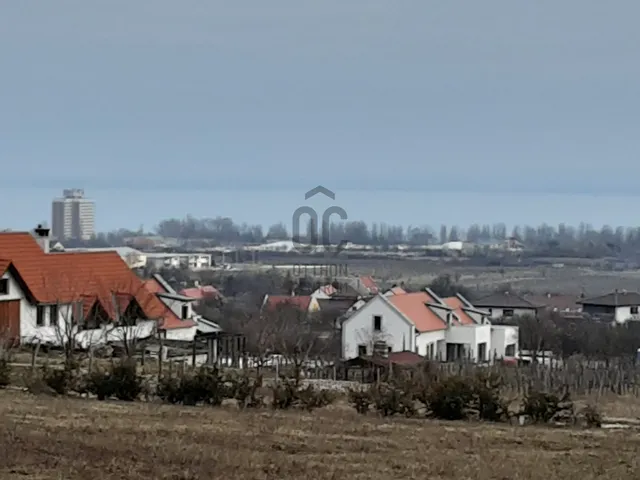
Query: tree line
x=547, y=240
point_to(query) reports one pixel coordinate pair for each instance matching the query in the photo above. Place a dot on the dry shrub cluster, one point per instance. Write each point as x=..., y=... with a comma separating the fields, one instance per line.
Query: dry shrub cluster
x=477, y=395
x=202, y=386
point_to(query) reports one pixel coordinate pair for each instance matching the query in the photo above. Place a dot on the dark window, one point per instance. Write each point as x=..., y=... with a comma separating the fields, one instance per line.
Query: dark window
x=4, y=286
x=53, y=315
x=507, y=312
x=362, y=350
x=40, y=309
x=510, y=351
x=377, y=323
x=185, y=312
x=634, y=310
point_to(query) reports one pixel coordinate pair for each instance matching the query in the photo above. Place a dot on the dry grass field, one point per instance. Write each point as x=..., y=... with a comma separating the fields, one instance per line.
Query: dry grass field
x=45, y=437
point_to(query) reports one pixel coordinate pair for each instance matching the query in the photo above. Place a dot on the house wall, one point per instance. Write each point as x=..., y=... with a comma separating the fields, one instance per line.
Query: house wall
x=186, y=334
x=501, y=337
x=498, y=312
x=471, y=336
x=624, y=314
x=397, y=332
x=436, y=340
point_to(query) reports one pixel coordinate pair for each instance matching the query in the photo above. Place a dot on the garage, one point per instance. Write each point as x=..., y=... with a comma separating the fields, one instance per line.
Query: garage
x=10, y=320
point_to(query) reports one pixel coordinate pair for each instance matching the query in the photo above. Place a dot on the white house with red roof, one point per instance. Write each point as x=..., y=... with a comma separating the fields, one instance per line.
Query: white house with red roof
x=435, y=328
x=92, y=297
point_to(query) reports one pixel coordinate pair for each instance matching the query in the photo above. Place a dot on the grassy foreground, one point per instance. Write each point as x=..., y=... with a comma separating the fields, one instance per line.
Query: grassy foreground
x=45, y=437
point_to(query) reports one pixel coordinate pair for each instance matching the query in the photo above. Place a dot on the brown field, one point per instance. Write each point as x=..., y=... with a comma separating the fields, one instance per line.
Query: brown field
x=45, y=437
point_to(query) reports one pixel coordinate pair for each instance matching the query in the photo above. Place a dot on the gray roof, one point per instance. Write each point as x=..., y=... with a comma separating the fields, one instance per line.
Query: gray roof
x=614, y=299
x=504, y=300
x=335, y=305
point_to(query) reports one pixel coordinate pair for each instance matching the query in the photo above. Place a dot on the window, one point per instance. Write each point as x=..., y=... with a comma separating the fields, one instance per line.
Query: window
x=185, y=312
x=4, y=286
x=53, y=315
x=377, y=323
x=634, y=310
x=40, y=315
x=510, y=351
x=507, y=312
x=362, y=350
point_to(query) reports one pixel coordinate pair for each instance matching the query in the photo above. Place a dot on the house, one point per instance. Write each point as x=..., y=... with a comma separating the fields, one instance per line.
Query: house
x=428, y=325
x=507, y=304
x=181, y=322
x=556, y=302
x=621, y=306
x=304, y=303
x=201, y=292
x=88, y=297
x=192, y=261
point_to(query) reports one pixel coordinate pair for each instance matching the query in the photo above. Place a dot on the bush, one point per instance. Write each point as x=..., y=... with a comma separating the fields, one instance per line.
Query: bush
x=99, y=383
x=5, y=372
x=592, y=416
x=391, y=400
x=204, y=386
x=542, y=407
x=487, y=400
x=289, y=394
x=60, y=380
x=121, y=382
x=360, y=399
x=126, y=383
x=450, y=398
x=245, y=391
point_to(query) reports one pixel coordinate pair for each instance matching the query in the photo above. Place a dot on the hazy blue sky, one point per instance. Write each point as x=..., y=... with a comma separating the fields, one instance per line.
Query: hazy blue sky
x=161, y=108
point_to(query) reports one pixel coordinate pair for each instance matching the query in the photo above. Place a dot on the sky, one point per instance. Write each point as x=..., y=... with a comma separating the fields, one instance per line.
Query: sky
x=414, y=112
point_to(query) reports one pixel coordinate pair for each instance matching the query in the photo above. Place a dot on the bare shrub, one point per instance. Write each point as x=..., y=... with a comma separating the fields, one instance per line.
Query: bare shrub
x=592, y=416
x=121, y=381
x=543, y=407
x=360, y=399
x=289, y=394
x=206, y=386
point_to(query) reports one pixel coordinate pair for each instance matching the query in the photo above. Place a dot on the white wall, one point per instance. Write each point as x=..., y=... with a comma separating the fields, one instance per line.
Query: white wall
x=501, y=337
x=186, y=334
x=624, y=314
x=471, y=336
x=397, y=332
x=437, y=342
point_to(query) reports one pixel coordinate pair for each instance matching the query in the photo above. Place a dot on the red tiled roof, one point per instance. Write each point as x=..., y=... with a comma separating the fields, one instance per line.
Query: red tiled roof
x=86, y=277
x=153, y=286
x=456, y=304
x=369, y=283
x=405, y=358
x=398, y=291
x=412, y=305
x=206, y=291
x=278, y=301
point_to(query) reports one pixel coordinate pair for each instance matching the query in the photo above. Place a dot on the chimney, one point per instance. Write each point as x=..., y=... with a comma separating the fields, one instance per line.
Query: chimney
x=42, y=237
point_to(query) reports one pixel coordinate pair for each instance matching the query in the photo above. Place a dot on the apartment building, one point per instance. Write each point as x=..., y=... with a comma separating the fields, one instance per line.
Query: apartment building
x=72, y=216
